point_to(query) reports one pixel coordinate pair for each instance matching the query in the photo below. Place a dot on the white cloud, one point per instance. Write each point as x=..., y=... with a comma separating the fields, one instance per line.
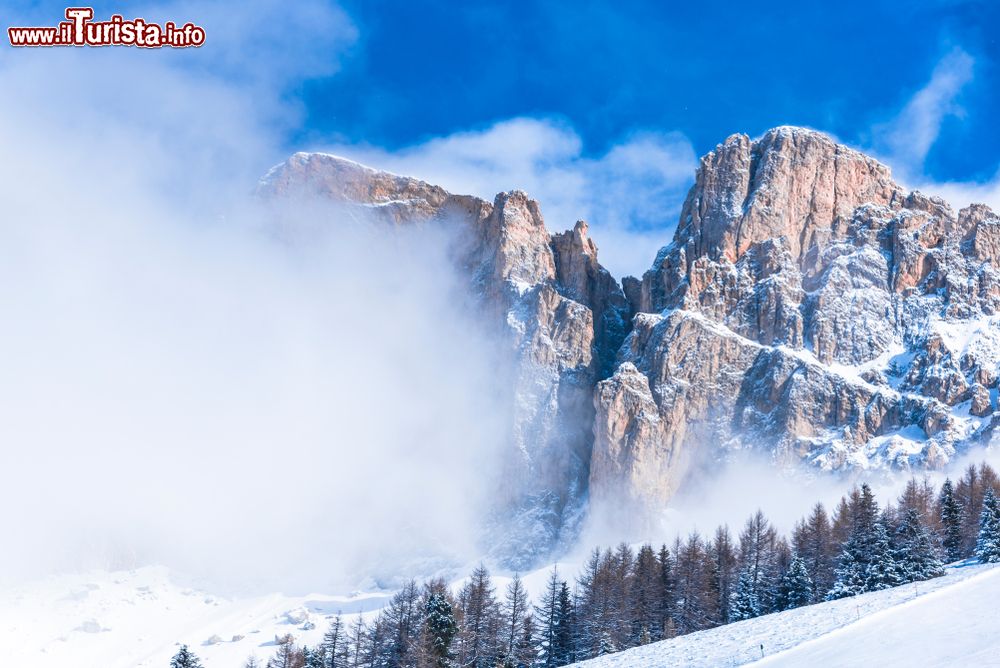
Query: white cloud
x=910, y=135
x=179, y=387
x=630, y=195
x=905, y=141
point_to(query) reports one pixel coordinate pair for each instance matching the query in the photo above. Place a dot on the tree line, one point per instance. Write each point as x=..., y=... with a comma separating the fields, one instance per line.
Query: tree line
x=625, y=597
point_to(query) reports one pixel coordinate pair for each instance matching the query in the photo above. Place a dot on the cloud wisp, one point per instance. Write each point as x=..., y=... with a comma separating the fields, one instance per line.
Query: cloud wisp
x=630, y=195
x=905, y=141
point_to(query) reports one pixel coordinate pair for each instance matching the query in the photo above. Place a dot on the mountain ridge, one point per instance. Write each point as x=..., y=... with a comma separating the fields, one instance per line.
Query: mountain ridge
x=808, y=307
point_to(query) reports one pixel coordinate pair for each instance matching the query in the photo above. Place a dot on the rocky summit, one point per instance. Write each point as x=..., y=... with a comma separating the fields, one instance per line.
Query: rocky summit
x=808, y=308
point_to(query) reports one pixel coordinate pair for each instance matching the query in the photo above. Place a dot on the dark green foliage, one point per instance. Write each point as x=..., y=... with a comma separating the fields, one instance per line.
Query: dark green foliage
x=951, y=522
x=440, y=629
x=915, y=554
x=185, y=658
x=988, y=541
x=796, y=587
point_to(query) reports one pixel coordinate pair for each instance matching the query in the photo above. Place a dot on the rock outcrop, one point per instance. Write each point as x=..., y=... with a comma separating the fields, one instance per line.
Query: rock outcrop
x=559, y=317
x=810, y=308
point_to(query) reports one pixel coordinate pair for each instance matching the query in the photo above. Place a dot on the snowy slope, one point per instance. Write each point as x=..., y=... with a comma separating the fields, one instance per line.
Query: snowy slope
x=949, y=621
x=136, y=619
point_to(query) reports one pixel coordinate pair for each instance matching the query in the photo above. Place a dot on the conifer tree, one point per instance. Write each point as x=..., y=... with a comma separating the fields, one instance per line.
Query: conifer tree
x=479, y=625
x=185, y=658
x=566, y=638
x=357, y=640
x=988, y=541
x=813, y=541
x=691, y=586
x=287, y=655
x=969, y=492
x=951, y=522
x=515, y=610
x=758, y=559
x=796, y=586
x=314, y=658
x=842, y=520
x=866, y=544
x=440, y=628
x=547, y=612
x=399, y=626
x=335, y=644
x=745, y=603
x=881, y=571
x=915, y=554
x=644, y=598
x=724, y=566
x=588, y=607
x=665, y=609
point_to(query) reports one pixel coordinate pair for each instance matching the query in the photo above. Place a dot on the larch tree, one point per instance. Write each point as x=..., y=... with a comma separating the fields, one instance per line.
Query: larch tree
x=514, y=611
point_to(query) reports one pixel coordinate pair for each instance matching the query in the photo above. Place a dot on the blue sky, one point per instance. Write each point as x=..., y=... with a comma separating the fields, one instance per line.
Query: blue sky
x=706, y=69
x=597, y=109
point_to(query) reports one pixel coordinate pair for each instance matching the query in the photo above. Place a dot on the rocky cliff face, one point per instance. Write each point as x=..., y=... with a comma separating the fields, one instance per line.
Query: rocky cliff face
x=558, y=314
x=808, y=307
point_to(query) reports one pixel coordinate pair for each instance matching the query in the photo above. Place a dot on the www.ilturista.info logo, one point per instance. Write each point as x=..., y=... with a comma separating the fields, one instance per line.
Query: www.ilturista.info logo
x=80, y=30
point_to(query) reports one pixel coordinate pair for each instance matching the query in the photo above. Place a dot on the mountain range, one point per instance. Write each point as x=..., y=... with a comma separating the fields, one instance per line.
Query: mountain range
x=808, y=308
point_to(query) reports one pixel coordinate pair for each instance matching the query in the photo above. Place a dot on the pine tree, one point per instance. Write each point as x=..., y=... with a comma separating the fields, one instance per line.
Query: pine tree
x=951, y=522
x=440, y=629
x=252, y=662
x=745, y=603
x=796, y=586
x=849, y=577
x=590, y=605
x=813, y=541
x=185, y=658
x=692, y=586
x=758, y=559
x=915, y=556
x=547, y=612
x=724, y=564
x=665, y=609
x=566, y=638
x=881, y=571
x=864, y=546
x=479, y=625
x=644, y=595
x=606, y=644
x=988, y=541
x=314, y=658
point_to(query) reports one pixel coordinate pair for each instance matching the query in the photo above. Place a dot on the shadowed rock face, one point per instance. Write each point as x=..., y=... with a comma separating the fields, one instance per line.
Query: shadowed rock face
x=807, y=307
